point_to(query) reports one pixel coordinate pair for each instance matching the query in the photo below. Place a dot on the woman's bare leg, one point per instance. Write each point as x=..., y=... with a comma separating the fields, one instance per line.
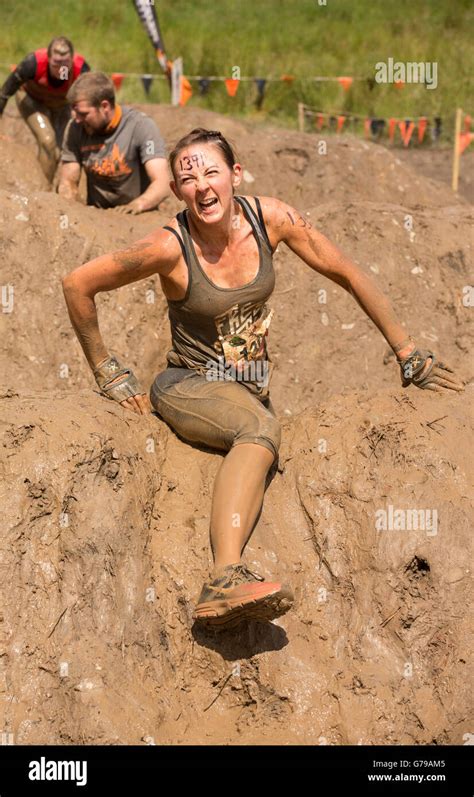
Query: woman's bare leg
x=237, y=498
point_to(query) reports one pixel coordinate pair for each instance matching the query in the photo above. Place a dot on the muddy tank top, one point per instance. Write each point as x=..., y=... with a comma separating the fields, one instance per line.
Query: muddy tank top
x=222, y=332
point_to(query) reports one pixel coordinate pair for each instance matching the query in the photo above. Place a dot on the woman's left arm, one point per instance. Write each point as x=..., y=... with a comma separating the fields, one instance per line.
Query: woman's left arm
x=288, y=225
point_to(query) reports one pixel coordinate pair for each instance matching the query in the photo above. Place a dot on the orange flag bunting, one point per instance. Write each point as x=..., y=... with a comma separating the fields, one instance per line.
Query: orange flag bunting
x=340, y=123
x=288, y=78
x=391, y=129
x=319, y=121
x=346, y=82
x=464, y=141
x=232, y=84
x=367, y=128
x=421, y=129
x=117, y=78
x=467, y=123
x=406, y=132
x=186, y=91
x=399, y=84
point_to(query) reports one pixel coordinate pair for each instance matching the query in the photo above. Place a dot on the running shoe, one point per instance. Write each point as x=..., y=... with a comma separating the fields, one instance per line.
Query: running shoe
x=234, y=593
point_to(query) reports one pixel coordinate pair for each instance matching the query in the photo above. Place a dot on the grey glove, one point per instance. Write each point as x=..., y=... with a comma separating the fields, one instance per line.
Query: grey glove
x=107, y=371
x=435, y=375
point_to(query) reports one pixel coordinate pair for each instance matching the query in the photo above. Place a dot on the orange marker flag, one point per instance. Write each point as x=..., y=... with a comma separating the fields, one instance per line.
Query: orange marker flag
x=288, y=78
x=467, y=123
x=232, y=84
x=186, y=91
x=346, y=82
x=391, y=129
x=367, y=127
x=422, y=128
x=319, y=121
x=464, y=141
x=340, y=123
x=406, y=132
x=117, y=79
x=399, y=84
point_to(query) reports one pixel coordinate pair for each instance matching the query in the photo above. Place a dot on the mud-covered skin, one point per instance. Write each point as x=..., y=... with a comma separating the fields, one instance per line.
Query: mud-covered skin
x=48, y=126
x=131, y=259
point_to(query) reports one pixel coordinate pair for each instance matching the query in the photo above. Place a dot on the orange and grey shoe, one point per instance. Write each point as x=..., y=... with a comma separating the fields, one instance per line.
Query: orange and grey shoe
x=234, y=593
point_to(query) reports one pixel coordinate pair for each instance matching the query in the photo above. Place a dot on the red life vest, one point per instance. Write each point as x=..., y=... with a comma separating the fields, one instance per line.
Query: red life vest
x=41, y=89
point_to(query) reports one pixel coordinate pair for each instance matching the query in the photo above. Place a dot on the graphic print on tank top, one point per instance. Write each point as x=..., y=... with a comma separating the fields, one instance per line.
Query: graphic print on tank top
x=241, y=338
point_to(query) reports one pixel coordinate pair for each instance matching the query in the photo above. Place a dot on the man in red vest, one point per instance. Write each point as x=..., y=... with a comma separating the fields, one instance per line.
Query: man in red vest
x=41, y=82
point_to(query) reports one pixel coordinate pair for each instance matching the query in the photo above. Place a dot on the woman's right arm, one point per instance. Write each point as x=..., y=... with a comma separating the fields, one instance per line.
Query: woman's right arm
x=158, y=253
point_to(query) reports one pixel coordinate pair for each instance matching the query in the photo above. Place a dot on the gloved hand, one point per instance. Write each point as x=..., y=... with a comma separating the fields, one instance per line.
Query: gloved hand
x=121, y=384
x=421, y=368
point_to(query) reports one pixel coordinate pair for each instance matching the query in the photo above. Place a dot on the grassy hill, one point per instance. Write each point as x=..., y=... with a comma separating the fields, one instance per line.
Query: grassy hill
x=267, y=38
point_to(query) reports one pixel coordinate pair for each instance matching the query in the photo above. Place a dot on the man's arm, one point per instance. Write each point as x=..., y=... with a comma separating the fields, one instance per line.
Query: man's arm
x=25, y=70
x=320, y=254
x=69, y=177
x=70, y=166
x=157, y=171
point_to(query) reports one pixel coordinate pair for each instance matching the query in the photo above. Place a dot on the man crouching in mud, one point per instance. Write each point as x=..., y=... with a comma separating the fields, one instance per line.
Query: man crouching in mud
x=214, y=260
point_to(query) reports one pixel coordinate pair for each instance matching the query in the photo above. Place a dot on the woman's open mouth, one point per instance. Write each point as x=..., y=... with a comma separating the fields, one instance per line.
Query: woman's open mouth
x=207, y=205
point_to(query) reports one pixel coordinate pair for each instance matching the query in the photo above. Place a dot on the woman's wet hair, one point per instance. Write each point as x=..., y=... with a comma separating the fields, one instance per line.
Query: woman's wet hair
x=202, y=136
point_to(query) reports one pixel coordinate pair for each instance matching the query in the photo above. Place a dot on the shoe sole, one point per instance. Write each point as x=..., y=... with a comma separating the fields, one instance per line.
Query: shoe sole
x=232, y=612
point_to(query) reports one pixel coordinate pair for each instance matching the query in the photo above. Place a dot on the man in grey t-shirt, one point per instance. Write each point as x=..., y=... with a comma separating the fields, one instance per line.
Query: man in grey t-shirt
x=120, y=149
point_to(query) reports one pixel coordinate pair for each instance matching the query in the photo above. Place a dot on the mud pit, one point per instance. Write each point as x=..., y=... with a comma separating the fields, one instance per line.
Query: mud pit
x=105, y=533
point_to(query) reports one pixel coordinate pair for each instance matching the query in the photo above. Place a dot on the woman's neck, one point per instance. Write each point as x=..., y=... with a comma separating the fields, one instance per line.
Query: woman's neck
x=220, y=235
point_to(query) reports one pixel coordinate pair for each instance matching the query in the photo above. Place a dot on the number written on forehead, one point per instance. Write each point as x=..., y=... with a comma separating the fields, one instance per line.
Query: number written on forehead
x=186, y=163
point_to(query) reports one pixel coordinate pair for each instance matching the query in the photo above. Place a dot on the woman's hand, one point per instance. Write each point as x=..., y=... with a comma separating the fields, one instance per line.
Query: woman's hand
x=121, y=385
x=421, y=368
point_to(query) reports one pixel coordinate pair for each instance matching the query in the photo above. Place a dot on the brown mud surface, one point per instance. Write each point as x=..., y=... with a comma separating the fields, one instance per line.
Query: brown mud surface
x=105, y=514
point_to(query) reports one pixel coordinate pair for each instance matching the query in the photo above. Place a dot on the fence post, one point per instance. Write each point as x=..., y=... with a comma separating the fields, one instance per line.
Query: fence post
x=301, y=117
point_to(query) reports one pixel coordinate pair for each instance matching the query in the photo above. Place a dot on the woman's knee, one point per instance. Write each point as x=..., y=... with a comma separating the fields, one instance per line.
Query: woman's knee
x=261, y=428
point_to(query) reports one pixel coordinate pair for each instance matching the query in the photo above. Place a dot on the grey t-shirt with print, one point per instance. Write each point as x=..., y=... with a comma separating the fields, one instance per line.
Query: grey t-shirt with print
x=114, y=162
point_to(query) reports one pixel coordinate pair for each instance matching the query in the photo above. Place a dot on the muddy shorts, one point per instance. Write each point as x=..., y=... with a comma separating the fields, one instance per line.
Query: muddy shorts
x=47, y=124
x=220, y=414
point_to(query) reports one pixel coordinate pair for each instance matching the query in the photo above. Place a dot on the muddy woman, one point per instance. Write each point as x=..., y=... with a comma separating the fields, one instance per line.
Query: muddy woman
x=214, y=260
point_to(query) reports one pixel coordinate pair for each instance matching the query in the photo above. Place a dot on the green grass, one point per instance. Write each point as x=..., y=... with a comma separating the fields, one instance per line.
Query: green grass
x=267, y=38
